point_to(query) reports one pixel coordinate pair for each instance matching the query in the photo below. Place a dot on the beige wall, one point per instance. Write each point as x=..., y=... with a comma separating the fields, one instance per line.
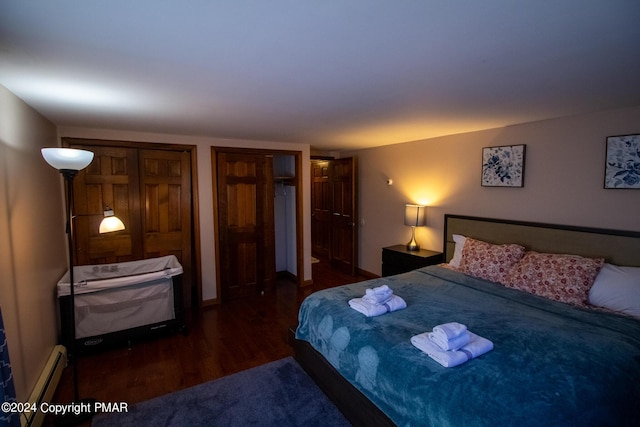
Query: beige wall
x=32, y=242
x=564, y=176
x=205, y=188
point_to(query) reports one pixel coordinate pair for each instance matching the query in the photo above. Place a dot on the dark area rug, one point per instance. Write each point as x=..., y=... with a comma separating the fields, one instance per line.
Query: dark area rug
x=279, y=393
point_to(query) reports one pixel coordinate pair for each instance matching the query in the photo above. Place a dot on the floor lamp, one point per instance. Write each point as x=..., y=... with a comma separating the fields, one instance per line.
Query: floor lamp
x=69, y=162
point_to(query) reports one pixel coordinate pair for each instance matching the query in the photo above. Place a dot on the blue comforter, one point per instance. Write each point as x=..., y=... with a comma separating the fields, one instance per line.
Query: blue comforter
x=552, y=365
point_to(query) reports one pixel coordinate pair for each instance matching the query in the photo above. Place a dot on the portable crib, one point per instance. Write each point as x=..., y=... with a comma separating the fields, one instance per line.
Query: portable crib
x=122, y=302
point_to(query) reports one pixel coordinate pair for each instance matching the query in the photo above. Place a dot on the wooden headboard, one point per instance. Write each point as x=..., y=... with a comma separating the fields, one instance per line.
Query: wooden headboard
x=615, y=246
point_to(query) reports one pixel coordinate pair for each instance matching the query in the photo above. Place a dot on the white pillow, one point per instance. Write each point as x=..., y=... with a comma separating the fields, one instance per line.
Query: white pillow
x=618, y=289
x=457, y=253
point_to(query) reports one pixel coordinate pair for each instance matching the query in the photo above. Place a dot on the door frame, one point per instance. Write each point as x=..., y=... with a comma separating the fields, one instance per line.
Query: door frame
x=299, y=223
x=195, y=209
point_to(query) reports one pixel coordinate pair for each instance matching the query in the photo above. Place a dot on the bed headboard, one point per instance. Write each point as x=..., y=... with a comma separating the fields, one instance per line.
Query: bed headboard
x=615, y=246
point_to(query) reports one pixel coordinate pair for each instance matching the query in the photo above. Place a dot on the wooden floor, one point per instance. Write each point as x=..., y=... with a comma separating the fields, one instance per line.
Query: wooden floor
x=221, y=340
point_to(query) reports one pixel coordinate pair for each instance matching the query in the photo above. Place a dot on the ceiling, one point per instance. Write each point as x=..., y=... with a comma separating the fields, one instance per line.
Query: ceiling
x=336, y=74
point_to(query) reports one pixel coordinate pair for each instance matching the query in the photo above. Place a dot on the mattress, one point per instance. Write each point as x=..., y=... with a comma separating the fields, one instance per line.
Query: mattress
x=552, y=364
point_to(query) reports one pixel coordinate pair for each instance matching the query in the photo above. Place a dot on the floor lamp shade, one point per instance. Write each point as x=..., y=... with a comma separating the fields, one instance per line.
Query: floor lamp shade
x=67, y=158
x=414, y=216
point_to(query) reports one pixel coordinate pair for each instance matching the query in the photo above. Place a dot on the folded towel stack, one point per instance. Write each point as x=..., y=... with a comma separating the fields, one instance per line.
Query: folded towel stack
x=450, y=336
x=377, y=301
x=475, y=346
x=378, y=295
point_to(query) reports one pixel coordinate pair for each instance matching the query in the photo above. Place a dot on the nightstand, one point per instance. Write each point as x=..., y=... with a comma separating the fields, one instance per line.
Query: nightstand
x=397, y=259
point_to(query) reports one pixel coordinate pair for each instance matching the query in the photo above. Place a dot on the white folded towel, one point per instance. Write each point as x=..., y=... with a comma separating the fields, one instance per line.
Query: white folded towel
x=477, y=346
x=450, y=330
x=450, y=344
x=371, y=310
x=450, y=336
x=378, y=295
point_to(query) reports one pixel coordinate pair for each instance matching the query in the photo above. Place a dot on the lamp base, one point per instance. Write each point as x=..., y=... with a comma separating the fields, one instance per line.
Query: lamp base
x=77, y=413
x=413, y=245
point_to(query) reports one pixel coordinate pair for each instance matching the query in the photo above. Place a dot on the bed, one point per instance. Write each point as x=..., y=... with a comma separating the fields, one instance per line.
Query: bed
x=553, y=363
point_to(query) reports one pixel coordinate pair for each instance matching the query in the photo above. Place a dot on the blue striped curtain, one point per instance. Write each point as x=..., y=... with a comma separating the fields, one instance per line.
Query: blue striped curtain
x=8, y=389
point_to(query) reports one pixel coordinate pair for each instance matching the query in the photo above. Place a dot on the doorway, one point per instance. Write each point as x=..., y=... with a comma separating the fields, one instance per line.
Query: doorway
x=245, y=221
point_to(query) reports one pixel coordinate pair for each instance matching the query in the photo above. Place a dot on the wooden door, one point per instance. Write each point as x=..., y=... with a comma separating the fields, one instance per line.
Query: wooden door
x=320, y=209
x=110, y=180
x=245, y=223
x=343, y=215
x=165, y=193
x=150, y=191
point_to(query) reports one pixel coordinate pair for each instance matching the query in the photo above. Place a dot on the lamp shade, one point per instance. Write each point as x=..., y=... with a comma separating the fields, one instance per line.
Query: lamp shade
x=67, y=158
x=110, y=222
x=415, y=215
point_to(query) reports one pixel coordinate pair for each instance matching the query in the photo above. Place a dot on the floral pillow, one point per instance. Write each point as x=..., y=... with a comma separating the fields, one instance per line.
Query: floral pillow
x=488, y=261
x=564, y=278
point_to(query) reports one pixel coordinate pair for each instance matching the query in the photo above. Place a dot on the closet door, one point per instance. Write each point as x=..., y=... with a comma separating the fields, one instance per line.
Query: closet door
x=112, y=180
x=150, y=190
x=320, y=209
x=245, y=223
x=333, y=212
x=343, y=215
x=165, y=194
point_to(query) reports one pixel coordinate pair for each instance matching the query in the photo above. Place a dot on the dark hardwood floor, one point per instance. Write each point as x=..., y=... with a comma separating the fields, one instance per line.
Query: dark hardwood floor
x=221, y=340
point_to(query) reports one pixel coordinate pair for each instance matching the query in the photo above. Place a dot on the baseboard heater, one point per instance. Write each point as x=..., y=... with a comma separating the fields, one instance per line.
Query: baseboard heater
x=46, y=386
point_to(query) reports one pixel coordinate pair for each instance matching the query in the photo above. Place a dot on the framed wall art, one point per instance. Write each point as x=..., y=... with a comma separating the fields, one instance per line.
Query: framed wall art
x=503, y=166
x=622, y=165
